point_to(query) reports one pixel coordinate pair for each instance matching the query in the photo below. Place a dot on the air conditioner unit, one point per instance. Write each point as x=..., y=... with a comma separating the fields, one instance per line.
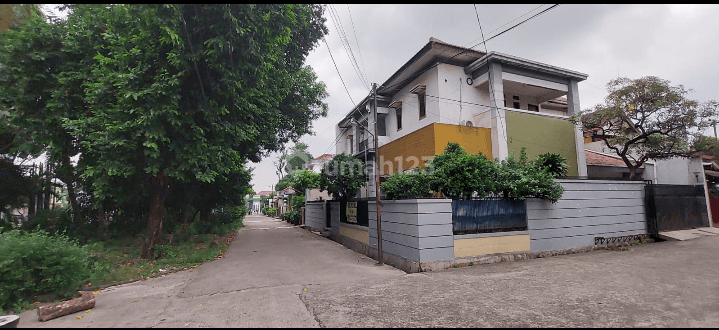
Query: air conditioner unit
x=467, y=123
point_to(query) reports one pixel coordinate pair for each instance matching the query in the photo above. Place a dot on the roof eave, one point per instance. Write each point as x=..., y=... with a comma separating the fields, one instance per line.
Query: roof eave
x=529, y=64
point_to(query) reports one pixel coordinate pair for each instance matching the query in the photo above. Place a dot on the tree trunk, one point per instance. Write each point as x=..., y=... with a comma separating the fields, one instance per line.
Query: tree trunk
x=632, y=173
x=100, y=221
x=67, y=178
x=187, y=211
x=157, y=210
x=50, y=311
x=48, y=185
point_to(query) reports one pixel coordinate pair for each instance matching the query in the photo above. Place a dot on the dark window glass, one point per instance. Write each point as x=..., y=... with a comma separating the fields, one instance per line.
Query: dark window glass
x=516, y=105
x=532, y=107
x=422, y=105
x=399, y=118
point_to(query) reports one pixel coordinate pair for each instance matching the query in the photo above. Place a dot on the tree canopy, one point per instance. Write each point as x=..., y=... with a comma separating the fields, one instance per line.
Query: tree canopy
x=162, y=100
x=648, y=119
x=343, y=176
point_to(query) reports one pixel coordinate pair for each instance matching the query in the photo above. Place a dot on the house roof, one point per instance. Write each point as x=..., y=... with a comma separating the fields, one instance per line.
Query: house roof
x=325, y=156
x=602, y=159
x=265, y=193
x=434, y=51
x=524, y=63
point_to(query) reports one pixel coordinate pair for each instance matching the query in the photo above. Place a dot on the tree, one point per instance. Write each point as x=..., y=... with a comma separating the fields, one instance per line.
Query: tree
x=15, y=186
x=299, y=157
x=343, y=176
x=519, y=179
x=158, y=95
x=412, y=184
x=459, y=175
x=647, y=119
x=708, y=145
x=304, y=179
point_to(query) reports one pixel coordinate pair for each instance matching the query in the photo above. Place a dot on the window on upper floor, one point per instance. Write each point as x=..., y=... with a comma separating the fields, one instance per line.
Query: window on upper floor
x=422, y=98
x=398, y=111
x=532, y=107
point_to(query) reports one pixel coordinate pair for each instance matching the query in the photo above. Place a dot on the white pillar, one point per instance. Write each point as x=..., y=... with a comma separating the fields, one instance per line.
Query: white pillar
x=573, y=109
x=498, y=116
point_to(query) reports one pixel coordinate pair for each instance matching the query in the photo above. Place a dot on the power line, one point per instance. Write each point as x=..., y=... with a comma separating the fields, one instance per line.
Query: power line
x=357, y=41
x=464, y=51
x=338, y=71
x=489, y=76
x=505, y=24
x=345, y=43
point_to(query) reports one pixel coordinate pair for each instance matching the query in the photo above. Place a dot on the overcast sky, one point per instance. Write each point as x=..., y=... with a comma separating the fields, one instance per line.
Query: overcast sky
x=674, y=42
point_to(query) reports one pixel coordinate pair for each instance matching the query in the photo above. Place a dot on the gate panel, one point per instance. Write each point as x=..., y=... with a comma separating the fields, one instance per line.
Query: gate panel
x=676, y=207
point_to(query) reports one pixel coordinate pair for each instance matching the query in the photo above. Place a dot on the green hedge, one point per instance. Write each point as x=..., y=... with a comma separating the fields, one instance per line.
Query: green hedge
x=36, y=263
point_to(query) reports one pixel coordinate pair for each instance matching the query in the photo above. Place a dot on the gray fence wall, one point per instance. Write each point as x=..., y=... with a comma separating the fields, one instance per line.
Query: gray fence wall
x=419, y=230
x=335, y=218
x=315, y=215
x=587, y=209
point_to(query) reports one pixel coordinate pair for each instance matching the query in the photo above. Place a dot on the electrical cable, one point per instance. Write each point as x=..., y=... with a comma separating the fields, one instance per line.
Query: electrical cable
x=345, y=43
x=468, y=49
x=338, y=72
x=357, y=41
x=489, y=76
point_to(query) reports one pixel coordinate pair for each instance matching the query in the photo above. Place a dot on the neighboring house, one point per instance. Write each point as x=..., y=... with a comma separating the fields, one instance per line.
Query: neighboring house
x=283, y=199
x=608, y=166
x=491, y=103
x=666, y=171
x=254, y=202
x=316, y=165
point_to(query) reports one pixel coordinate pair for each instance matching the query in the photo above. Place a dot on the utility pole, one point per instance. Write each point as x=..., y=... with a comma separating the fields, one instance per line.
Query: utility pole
x=380, y=252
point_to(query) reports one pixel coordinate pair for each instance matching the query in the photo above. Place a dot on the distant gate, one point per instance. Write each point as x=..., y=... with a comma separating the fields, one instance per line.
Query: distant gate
x=675, y=207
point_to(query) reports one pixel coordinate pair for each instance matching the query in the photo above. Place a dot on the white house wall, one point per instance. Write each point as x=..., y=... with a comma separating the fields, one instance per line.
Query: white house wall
x=451, y=79
x=410, y=107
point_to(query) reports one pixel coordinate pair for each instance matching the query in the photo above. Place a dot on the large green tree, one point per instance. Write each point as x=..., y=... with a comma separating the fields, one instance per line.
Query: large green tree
x=648, y=119
x=169, y=96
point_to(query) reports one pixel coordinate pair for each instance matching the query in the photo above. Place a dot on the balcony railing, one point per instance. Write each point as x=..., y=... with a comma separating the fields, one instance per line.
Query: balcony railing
x=362, y=146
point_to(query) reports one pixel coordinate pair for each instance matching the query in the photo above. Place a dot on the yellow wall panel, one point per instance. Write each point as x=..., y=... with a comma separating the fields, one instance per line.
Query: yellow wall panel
x=413, y=149
x=472, y=139
x=469, y=247
x=410, y=149
x=355, y=234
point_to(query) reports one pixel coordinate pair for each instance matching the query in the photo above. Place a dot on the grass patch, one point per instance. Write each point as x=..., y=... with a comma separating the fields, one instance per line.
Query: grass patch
x=119, y=260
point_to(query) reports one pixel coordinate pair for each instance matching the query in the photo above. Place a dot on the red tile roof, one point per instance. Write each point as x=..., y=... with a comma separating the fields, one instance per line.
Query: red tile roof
x=598, y=159
x=325, y=156
x=264, y=193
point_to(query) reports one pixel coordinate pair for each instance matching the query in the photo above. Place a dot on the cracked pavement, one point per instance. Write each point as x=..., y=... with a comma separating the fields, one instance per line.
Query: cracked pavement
x=258, y=283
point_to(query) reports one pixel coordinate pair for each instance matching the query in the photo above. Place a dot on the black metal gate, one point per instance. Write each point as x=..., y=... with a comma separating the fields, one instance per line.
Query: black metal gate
x=488, y=215
x=675, y=207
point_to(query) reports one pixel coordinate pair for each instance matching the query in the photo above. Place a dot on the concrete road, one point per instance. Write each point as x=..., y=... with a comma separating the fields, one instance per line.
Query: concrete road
x=258, y=283
x=667, y=284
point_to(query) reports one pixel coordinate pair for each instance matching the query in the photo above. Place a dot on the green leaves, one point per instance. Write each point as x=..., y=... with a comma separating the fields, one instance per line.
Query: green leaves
x=412, y=184
x=343, y=176
x=648, y=118
x=459, y=175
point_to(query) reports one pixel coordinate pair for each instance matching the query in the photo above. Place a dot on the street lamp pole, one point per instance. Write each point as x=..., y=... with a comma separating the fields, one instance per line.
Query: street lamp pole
x=380, y=252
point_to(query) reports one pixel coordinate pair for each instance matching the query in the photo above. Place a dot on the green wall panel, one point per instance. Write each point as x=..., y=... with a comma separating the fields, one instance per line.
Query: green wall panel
x=540, y=135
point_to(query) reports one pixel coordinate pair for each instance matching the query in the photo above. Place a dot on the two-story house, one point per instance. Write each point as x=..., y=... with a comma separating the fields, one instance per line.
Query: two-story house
x=491, y=103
